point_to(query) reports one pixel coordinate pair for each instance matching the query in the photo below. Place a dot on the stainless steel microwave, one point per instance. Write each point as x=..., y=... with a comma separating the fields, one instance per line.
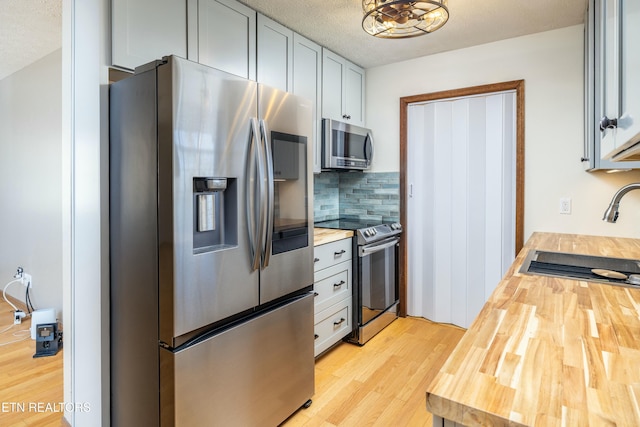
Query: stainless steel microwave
x=346, y=146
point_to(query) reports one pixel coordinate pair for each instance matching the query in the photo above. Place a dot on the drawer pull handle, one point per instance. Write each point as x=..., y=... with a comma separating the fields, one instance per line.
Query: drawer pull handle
x=342, y=319
x=339, y=253
x=315, y=294
x=316, y=336
x=337, y=285
x=316, y=259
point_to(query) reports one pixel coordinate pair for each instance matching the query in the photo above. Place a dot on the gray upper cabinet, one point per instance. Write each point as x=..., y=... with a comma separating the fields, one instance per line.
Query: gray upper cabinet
x=617, y=24
x=275, y=54
x=354, y=94
x=227, y=35
x=222, y=34
x=307, y=82
x=342, y=89
x=146, y=30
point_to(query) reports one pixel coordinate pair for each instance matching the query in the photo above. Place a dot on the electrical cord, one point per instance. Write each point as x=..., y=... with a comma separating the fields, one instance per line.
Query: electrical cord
x=25, y=332
x=27, y=299
x=6, y=329
x=17, y=334
x=4, y=293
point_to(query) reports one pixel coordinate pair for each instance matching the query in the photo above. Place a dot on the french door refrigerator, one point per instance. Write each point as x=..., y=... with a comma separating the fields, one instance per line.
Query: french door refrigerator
x=211, y=249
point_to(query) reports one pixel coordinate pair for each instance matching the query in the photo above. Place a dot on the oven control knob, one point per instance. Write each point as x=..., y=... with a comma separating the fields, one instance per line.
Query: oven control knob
x=366, y=233
x=373, y=231
x=396, y=226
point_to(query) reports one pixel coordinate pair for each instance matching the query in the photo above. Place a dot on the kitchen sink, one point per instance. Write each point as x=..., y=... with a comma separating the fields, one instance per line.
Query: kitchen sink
x=620, y=271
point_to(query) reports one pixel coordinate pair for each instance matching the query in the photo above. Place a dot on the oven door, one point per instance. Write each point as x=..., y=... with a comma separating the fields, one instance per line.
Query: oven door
x=378, y=278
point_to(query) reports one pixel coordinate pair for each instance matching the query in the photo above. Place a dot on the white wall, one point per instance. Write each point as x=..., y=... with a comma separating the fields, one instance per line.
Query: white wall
x=551, y=63
x=85, y=122
x=30, y=180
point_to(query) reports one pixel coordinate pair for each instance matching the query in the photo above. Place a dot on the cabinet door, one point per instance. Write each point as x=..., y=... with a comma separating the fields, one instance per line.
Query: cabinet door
x=596, y=85
x=332, y=85
x=610, y=69
x=342, y=89
x=275, y=54
x=629, y=120
x=307, y=82
x=146, y=30
x=354, y=94
x=224, y=36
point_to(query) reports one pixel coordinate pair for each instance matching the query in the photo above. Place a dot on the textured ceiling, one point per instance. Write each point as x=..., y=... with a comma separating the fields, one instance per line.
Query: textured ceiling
x=337, y=25
x=31, y=29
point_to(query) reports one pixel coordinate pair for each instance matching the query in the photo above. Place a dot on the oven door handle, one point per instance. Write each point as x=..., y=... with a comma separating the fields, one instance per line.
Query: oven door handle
x=370, y=249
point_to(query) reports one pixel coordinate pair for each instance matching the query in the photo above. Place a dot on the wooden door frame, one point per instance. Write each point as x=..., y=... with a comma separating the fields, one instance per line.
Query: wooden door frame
x=518, y=86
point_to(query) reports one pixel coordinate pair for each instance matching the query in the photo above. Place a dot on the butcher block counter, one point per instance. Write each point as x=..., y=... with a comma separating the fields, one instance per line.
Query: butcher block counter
x=328, y=235
x=548, y=351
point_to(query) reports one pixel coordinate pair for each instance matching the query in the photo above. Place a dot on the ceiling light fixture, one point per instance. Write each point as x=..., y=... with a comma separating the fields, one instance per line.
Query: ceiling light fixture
x=395, y=19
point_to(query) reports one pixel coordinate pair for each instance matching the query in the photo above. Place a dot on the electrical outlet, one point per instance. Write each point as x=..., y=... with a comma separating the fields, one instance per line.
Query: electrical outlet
x=565, y=205
x=17, y=317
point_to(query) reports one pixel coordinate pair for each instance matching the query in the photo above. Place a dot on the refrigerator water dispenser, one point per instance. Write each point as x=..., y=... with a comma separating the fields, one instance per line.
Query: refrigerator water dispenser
x=214, y=214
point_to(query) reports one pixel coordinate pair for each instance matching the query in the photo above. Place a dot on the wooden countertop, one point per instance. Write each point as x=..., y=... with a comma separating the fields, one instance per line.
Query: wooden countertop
x=328, y=235
x=547, y=351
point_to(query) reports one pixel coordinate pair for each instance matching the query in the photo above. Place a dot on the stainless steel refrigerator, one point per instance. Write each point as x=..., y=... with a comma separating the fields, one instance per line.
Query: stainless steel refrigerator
x=211, y=238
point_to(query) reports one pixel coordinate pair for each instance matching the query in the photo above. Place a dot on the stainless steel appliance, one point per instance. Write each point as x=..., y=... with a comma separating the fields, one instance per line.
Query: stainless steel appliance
x=345, y=146
x=375, y=271
x=211, y=254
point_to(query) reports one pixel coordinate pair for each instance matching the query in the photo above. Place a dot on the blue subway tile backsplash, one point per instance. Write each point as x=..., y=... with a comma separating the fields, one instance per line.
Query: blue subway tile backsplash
x=367, y=196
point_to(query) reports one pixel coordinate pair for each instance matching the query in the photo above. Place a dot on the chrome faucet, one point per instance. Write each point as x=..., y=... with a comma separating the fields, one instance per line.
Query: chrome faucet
x=611, y=214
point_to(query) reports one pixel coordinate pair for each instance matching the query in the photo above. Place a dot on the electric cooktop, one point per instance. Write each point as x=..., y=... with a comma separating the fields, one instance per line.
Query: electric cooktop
x=347, y=224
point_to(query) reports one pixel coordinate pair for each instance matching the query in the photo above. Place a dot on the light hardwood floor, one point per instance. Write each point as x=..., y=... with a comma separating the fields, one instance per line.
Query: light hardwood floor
x=30, y=389
x=379, y=384
x=382, y=383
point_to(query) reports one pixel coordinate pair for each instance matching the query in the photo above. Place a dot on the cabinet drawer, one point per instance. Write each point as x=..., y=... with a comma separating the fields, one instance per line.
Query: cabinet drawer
x=332, y=325
x=332, y=285
x=331, y=253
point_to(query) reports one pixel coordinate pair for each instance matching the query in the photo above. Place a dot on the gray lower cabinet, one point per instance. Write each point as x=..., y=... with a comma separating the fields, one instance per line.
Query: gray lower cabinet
x=333, y=290
x=222, y=35
x=443, y=422
x=307, y=82
x=146, y=30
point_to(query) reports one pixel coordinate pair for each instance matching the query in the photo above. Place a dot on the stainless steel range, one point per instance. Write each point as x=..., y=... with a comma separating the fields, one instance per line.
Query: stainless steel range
x=375, y=271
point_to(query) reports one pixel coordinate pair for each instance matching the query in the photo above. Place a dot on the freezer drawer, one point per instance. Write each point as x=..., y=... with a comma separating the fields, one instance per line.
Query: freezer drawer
x=254, y=374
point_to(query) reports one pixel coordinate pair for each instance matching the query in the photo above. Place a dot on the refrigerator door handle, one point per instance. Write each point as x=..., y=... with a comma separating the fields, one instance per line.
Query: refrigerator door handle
x=254, y=164
x=270, y=193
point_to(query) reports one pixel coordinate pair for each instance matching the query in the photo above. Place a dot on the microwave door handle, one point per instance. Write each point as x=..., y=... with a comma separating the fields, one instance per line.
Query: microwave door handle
x=270, y=193
x=327, y=143
x=254, y=169
x=368, y=148
x=368, y=250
